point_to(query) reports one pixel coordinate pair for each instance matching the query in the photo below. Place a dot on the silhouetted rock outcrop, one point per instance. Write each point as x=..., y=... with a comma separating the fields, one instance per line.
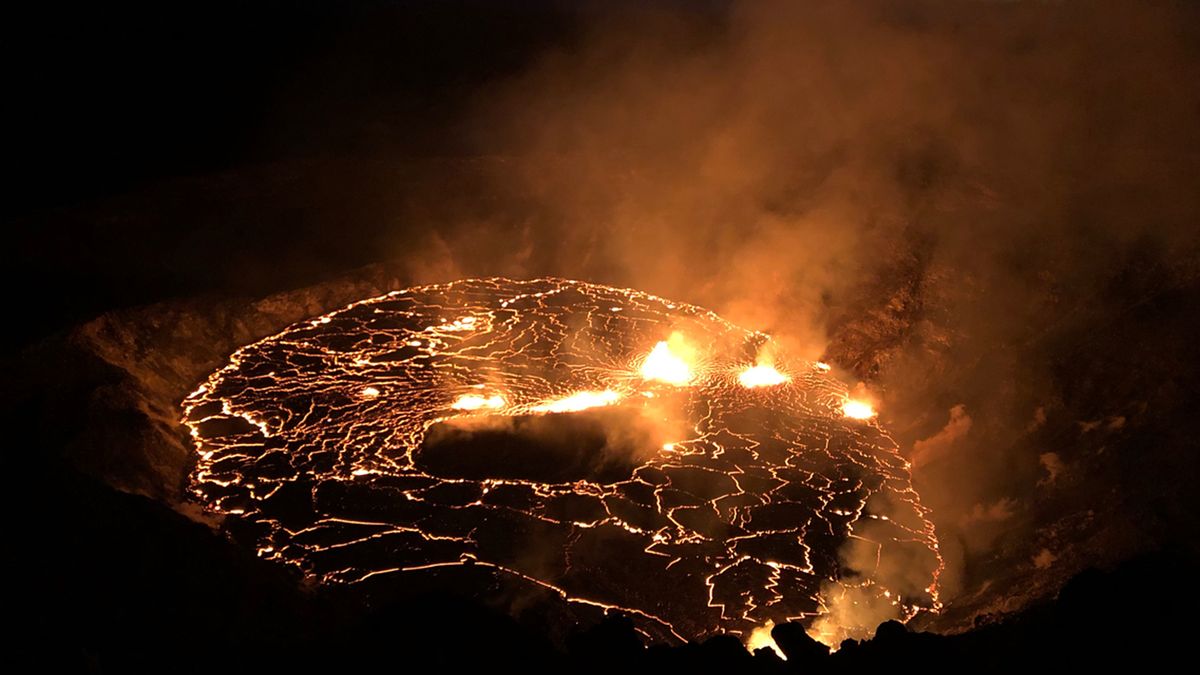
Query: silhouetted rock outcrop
x=612, y=643
x=801, y=650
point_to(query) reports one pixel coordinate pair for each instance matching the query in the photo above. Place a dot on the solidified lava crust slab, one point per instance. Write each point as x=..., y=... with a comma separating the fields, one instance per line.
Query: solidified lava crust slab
x=413, y=431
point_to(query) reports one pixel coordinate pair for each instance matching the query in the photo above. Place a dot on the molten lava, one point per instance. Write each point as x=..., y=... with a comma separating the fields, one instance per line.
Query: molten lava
x=476, y=402
x=858, y=410
x=718, y=506
x=761, y=637
x=668, y=362
x=761, y=376
x=579, y=401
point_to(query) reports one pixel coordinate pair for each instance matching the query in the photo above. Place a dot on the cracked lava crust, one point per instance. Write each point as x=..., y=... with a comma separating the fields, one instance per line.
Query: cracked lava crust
x=626, y=453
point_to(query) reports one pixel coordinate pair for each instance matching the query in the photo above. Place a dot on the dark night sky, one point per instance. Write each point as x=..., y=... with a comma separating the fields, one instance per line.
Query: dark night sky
x=113, y=100
x=103, y=98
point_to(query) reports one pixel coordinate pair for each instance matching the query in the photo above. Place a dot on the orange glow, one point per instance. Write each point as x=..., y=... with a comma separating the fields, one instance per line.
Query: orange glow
x=858, y=410
x=827, y=632
x=761, y=376
x=476, y=402
x=668, y=362
x=579, y=401
x=761, y=637
x=487, y=357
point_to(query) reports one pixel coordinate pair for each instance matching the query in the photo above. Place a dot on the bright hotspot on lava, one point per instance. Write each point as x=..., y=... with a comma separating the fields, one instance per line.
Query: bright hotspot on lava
x=859, y=410
x=612, y=450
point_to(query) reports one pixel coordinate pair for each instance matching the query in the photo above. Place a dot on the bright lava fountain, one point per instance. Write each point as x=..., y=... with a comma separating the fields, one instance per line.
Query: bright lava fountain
x=519, y=427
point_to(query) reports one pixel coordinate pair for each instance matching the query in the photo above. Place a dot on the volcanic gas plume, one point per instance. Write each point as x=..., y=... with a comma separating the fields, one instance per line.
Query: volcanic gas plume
x=629, y=454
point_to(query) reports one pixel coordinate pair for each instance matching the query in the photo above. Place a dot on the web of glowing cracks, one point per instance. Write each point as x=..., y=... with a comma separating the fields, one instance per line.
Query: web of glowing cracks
x=670, y=366
x=671, y=362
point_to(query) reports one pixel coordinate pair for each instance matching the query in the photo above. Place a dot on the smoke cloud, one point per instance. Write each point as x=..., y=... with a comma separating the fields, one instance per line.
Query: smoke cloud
x=935, y=196
x=929, y=449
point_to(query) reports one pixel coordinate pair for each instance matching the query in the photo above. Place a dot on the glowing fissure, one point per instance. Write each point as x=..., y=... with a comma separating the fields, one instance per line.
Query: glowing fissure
x=579, y=401
x=476, y=402
x=734, y=518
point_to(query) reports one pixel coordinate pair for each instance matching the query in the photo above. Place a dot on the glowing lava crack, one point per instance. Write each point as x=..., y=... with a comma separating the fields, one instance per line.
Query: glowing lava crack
x=439, y=428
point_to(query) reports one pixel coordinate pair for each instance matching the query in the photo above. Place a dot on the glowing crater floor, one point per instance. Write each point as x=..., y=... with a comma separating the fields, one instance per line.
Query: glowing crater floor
x=437, y=427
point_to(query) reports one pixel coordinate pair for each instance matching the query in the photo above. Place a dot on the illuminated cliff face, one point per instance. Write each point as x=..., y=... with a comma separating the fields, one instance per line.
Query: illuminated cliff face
x=620, y=450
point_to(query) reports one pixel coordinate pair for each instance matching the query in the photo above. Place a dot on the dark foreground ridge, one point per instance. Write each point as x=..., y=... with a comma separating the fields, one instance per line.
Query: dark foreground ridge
x=116, y=583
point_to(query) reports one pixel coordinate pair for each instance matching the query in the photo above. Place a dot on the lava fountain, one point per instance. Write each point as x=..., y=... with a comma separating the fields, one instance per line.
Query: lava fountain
x=621, y=452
